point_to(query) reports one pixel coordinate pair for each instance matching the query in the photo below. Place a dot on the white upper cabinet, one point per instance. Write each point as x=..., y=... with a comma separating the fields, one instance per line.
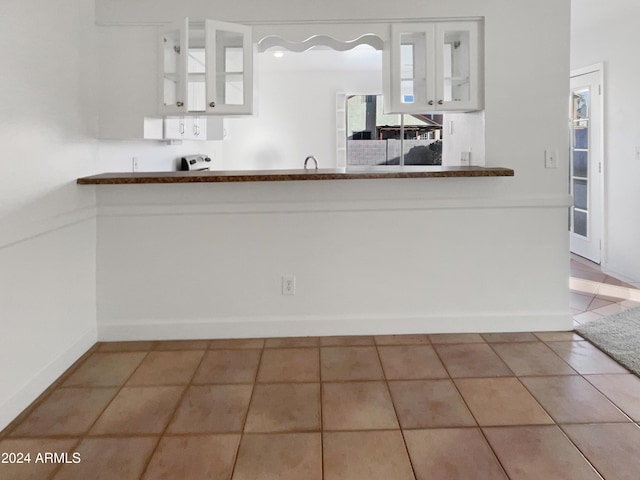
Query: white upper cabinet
x=206, y=68
x=433, y=66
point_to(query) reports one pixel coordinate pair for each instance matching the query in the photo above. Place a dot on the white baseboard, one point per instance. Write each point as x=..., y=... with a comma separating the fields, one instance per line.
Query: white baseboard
x=184, y=329
x=29, y=391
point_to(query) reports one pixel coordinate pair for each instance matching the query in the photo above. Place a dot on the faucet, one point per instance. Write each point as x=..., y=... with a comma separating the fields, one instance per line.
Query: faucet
x=312, y=158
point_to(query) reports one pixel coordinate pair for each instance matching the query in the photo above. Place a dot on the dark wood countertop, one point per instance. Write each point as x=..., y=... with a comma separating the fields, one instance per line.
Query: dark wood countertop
x=289, y=175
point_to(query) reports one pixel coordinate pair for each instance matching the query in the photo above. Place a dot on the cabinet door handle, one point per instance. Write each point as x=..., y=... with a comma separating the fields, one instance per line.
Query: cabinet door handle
x=440, y=102
x=179, y=104
x=181, y=128
x=430, y=102
x=212, y=104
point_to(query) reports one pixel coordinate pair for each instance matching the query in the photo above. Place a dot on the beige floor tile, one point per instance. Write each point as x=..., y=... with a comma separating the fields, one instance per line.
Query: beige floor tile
x=357, y=406
x=139, y=410
x=611, y=449
x=228, y=366
x=472, y=360
x=212, y=409
x=579, y=301
x=558, y=336
x=538, y=452
x=630, y=303
x=292, y=342
x=110, y=458
x=194, y=457
x=344, y=341
x=33, y=470
x=366, y=455
x=586, y=317
x=350, y=363
x=283, y=456
x=429, y=404
x=610, y=309
x=182, y=345
x=413, y=339
x=67, y=411
x=532, y=359
x=105, y=369
x=405, y=362
x=231, y=343
x=284, y=407
x=623, y=390
x=166, y=368
x=585, y=358
x=290, y=365
x=599, y=303
x=436, y=454
x=501, y=401
x=509, y=337
x=456, y=338
x=125, y=346
x=594, y=276
x=571, y=399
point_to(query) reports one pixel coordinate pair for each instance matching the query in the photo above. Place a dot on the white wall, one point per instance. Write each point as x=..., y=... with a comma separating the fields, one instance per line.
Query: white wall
x=603, y=32
x=370, y=256
x=296, y=109
x=47, y=223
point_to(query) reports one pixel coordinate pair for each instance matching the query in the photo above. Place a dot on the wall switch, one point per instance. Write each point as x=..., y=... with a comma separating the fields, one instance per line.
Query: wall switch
x=134, y=164
x=638, y=153
x=550, y=159
x=288, y=285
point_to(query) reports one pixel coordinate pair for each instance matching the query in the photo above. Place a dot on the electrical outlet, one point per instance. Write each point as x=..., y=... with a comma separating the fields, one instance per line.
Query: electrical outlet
x=550, y=159
x=134, y=164
x=288, y=285
x=465, y=159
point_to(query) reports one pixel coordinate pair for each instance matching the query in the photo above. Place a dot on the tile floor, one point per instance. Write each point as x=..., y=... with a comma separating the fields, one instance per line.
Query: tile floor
x=457, y=406
x=595, y=295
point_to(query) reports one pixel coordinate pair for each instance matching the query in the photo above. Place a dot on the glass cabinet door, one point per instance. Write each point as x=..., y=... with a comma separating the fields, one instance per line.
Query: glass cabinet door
x=196, y=67
x=229, y=68
x=456, y=70
x=411, y=68
x=173, y=61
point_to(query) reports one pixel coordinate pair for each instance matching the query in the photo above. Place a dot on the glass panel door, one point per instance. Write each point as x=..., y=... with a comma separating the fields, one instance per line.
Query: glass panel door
x=456, y=65
x=173, y=65
x=196, y=68
x=586, y=214
x=579, y=166
x=410, y=68
x=229, y=68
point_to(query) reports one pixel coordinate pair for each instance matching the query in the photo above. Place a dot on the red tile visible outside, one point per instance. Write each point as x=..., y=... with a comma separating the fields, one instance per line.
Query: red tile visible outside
x=525, y=405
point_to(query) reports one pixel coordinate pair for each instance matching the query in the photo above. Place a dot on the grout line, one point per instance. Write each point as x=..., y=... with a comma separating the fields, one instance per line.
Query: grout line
x=40, y=399
x=172, y=416
x=83, y=436
x=246, y=415
x=395, y=411
x=320, y=410
x=464, y=401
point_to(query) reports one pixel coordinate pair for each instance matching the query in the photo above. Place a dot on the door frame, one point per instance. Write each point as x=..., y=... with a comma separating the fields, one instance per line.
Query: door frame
x=599, y=69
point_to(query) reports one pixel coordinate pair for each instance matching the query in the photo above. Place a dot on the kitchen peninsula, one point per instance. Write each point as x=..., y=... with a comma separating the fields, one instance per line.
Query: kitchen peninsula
x=293, y=175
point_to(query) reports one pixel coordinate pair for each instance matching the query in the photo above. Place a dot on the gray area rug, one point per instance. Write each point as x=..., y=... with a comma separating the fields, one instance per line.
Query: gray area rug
x=618, y=335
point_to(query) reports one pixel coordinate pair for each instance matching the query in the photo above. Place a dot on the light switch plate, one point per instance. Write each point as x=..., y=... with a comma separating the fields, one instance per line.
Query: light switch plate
x=550, y=159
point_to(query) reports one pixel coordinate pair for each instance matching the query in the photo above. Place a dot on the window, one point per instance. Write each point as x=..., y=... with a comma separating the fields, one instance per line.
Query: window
x=376, y=139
